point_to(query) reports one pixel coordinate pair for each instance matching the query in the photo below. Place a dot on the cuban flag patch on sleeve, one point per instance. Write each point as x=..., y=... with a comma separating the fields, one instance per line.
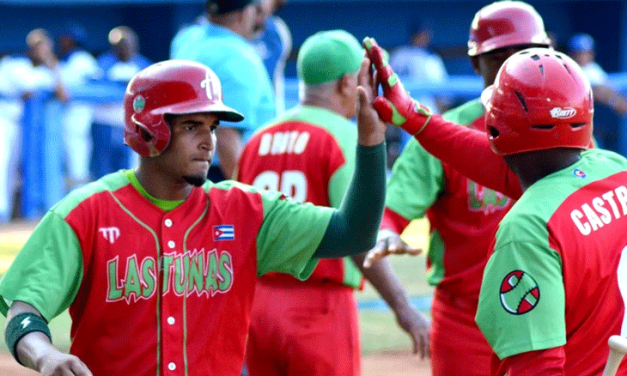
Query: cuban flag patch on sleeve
x=223, y=232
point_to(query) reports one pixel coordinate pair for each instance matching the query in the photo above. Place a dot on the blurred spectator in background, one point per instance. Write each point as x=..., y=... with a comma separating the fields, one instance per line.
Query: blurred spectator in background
x=20, y=77
x=581, y=48
x=274, y=46
x=77, y=67
x=418, y=63
x=118, y=66
x=223, y=44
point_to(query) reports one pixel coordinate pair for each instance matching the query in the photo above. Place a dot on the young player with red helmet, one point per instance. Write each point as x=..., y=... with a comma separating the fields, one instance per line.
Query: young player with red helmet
x=158, y=265
x=463, y=213
x=550, y=296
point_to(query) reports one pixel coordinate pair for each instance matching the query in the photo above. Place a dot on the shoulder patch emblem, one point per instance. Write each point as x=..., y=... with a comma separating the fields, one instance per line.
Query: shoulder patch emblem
x=519, y=292
x=579, y=173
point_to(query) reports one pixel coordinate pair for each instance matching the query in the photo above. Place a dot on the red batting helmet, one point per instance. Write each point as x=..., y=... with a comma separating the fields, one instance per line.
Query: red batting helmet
x=541, y=99
x=506, y=24
x=169, y=87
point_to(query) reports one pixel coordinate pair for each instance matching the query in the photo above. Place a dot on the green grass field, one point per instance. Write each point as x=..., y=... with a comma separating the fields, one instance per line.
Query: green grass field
x=378, y=326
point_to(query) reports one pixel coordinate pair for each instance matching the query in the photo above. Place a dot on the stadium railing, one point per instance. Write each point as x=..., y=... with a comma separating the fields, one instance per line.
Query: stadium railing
x=43, y=181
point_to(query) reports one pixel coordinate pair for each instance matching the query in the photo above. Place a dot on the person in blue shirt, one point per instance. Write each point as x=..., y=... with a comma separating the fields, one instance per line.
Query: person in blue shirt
x=118, y=66
x=274, y=45
x=223, y=44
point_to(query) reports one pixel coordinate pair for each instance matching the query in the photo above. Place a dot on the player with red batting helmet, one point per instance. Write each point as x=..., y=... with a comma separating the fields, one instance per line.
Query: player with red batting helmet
x=157, y=265
x=550, y=296
x=463, y=213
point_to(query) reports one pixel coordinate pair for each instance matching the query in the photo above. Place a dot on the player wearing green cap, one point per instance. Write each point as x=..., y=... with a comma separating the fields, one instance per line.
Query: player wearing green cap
x=310, y=327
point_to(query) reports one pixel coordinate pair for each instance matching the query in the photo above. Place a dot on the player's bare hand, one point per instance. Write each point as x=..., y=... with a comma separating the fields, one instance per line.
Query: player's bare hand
x=392, y=244
x=57, y=363
x=396, y=106
x=370, y=127
x=417, y=325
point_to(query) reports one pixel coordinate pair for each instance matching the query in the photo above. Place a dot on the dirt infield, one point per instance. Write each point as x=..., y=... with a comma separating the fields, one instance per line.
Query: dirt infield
x=384, y=364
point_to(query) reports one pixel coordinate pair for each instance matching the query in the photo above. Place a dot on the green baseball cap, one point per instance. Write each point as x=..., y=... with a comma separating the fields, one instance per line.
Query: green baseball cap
x=327, y=56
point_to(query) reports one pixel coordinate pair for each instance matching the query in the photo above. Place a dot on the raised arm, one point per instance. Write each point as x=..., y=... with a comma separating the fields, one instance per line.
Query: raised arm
x=449, y=142
x=353, y=226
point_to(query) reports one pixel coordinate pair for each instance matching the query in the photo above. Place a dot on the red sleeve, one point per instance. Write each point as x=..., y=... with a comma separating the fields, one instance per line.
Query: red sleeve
x=468, y=151
x=393, y=221
x=549, y=362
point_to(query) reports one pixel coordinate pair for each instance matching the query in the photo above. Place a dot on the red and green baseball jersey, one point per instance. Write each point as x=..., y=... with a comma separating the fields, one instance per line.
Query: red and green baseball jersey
x=552, y=279
x=161, y=288
x=463, y=215
x=307, y=154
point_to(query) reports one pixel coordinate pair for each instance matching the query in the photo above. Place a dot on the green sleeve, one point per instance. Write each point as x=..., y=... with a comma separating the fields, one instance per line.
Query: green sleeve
x=340, y=179
x=47, y=272
x=522, y=301
x=416, y=182
x=289, y=235
x=353, y=227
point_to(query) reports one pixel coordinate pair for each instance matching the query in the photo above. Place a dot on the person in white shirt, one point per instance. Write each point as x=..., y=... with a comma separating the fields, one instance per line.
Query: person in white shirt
x=20, y=77
x=77, y=66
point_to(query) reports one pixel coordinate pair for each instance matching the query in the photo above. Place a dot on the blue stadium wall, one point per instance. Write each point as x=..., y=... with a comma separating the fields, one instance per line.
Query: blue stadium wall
x=156, y=21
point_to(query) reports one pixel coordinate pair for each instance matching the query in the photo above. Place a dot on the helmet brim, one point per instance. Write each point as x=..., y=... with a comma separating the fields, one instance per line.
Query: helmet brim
x=220, y=110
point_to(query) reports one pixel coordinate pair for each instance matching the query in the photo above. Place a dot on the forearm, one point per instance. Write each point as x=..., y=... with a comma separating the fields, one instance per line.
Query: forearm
x=384, y=280
x=469, y=152
x=353, y=226
x=32, y=348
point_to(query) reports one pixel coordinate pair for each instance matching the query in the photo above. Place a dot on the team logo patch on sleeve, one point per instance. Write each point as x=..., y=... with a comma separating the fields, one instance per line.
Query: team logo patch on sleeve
x=519, y=292
x=223, y=232
x=579, y=173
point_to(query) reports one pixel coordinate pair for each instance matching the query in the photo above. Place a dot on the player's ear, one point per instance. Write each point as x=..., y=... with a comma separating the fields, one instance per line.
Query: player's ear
x=347, y=84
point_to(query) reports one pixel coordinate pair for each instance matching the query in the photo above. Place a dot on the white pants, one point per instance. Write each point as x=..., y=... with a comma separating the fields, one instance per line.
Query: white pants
x=10, y=150
x=77, y=141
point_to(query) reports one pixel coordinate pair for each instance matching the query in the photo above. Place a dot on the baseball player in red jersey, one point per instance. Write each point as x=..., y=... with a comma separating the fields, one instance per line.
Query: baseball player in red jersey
x=157, y=265
x=311, y=327
x=550, y=295
x=463, y=215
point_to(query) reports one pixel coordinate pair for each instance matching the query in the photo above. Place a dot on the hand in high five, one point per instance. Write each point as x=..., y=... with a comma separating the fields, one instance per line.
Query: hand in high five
x=371, y=130
x=395, y=107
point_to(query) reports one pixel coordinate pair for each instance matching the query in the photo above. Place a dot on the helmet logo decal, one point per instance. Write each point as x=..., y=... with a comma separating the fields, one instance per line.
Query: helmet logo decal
x=139, y=103
x=519, y=292
x=563, y=113
x=209, y=86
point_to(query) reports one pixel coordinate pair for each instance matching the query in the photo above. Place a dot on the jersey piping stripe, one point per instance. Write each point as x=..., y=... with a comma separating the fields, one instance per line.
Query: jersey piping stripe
x=159, y=268
x=204, y=213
